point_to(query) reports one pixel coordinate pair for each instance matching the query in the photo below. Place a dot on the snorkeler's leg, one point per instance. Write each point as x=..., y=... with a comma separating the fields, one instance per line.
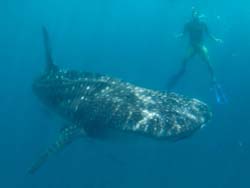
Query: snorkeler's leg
x=220, y=96
x=205, y=57
x=175, y=78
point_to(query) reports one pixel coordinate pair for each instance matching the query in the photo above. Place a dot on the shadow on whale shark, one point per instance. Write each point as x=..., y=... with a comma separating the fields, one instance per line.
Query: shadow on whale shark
x=92, y=104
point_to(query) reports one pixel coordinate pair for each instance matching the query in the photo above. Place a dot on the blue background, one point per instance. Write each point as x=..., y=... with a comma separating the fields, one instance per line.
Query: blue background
x=133, y=40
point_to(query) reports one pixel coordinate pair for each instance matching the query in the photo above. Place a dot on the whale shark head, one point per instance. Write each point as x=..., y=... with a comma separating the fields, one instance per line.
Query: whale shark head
x=186, y=117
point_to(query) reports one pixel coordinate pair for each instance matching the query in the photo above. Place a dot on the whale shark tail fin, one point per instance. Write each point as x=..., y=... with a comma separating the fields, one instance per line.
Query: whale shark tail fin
x=67, y=135
x=50, y=66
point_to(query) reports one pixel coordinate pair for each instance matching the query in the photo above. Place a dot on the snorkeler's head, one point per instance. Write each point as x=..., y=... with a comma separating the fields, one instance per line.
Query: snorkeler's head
x=195, y=14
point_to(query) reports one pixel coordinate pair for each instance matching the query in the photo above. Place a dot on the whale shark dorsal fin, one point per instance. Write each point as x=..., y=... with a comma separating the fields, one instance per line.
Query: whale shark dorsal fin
x=67, y=135
x=50, y=66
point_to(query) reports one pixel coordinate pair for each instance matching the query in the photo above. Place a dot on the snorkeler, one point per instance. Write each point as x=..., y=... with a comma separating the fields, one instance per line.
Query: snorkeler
x=196, y=30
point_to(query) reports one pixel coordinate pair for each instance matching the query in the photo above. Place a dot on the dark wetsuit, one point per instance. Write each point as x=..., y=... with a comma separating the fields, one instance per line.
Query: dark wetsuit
x=196, y=31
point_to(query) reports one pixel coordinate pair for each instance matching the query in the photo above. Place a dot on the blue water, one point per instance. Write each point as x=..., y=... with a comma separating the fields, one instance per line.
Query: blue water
x=133, y=40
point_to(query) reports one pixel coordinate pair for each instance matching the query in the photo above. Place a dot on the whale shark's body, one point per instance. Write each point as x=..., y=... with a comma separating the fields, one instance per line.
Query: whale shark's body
x=93, y=104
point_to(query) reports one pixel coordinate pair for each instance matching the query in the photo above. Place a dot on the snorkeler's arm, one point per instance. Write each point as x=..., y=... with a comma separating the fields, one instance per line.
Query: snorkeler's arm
x=183, y=33
x=212, y=37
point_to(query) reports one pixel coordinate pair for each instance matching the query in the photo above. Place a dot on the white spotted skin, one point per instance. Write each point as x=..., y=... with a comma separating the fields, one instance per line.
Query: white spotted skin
x=96, y=101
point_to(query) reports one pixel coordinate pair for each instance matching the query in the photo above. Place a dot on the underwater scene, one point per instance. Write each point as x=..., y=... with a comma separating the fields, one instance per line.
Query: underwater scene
x=125, y=94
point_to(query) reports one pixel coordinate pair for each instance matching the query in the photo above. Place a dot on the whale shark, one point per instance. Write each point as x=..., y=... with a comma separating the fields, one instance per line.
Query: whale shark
x=93, y=104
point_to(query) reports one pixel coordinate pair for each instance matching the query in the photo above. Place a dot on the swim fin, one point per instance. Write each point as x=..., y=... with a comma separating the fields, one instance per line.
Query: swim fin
x=220, y=96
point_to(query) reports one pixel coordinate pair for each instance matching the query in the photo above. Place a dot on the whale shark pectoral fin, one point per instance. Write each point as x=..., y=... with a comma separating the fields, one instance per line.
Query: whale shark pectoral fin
x=67, y=135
